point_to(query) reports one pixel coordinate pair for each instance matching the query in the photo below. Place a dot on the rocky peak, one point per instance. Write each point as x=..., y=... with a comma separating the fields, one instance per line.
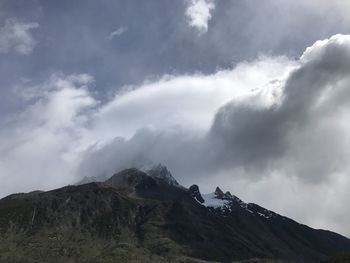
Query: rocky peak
x=131, y=179
x=195, y=193
x=161, y=172
x=218, y=192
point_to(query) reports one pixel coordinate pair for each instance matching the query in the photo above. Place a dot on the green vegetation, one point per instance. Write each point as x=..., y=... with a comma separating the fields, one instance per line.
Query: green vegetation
x=77, y=248
x=15, y=213
x=342, y=258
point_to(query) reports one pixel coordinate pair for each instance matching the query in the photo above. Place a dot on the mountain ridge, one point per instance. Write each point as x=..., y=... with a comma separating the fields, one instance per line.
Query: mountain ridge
x=134, y=215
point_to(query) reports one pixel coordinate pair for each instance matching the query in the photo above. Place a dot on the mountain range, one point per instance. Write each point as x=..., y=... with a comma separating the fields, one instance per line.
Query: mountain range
x=147, y=216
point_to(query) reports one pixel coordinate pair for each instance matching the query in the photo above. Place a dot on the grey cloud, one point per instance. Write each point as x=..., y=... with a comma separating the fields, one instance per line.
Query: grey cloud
x=253, y=137
x=289, y=135
x=17, y=37
x=38, y=145
x=144, y=149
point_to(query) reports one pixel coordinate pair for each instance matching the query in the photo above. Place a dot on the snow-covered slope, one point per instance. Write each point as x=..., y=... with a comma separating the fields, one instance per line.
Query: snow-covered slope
x=226, y=203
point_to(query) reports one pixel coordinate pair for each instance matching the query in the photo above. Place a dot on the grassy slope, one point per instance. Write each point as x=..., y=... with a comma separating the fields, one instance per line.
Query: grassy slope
x=343, y=258
x=94, y=224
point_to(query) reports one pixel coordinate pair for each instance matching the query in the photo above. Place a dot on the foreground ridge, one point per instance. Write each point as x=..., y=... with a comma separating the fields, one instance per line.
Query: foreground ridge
x=137, y=216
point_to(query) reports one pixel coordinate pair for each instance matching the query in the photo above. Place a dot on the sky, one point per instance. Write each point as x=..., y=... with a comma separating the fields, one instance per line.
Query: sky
x=252, y=96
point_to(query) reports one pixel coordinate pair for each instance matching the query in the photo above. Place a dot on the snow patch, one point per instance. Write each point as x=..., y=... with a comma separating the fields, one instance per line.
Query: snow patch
x=211, y=200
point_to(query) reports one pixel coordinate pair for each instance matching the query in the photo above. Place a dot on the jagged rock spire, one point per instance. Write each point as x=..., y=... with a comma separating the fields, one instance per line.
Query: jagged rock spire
x=162, y=172
x=218, y=192
x=195, y=193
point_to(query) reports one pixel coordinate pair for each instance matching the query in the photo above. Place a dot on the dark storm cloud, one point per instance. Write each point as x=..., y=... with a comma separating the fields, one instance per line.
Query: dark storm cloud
x=253, y=136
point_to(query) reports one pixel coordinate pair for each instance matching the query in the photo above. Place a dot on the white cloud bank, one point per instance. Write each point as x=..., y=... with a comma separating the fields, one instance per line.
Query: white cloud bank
x=198, y=13
x=17, y=37
x=274, y=131
x=38, y=145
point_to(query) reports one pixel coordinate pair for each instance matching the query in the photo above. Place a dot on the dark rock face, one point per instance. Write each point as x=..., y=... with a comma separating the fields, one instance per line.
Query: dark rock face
x=218, y=192
x=195, y=193
x=131, y=180
x=135, y=217
x=161, y=172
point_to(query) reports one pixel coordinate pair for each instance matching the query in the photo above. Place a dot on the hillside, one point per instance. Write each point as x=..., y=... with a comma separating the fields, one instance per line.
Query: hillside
x=148, y=217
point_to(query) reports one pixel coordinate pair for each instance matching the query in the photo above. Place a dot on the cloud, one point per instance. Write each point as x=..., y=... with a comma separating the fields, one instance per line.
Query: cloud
x=176, y=101
x=118, y=32
x=293, y=128
x=198, y=13
x=291, y=136
x=143, y=123
x=65, y=124
x=323, y=6
x=38, y=145
x=250, y=128
x=17, y=37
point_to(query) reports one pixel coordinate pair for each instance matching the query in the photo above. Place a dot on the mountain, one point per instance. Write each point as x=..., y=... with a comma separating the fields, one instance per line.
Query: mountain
x=161, y=172
x=158, y=172
x=137, y=216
